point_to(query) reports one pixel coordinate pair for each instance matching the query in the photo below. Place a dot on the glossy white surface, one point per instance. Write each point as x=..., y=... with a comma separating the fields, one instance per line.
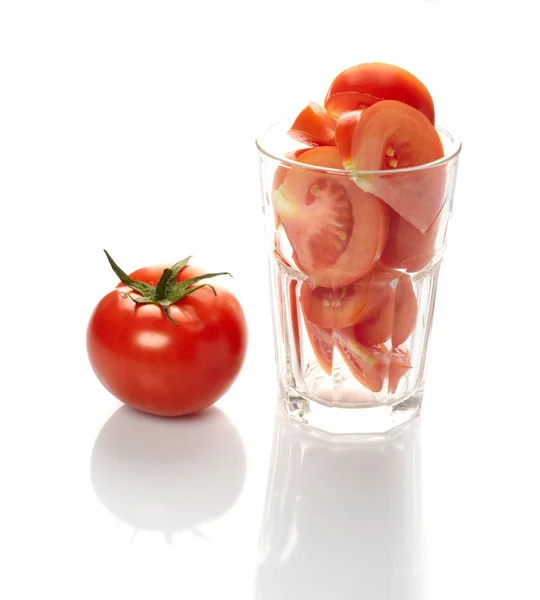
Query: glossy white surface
x=130, y=126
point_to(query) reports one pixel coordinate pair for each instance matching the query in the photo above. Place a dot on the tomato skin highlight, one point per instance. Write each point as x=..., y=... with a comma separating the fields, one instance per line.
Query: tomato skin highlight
x=314, y=126
x=164, y=369
x=363, y=85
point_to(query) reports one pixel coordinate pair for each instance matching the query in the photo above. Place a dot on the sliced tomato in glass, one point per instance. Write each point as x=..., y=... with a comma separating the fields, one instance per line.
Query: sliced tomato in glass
x=337, y=231
x=407, y=247
x=392, y=135
x=395, y=317
x=322, y=343
x=365, y=84
x=314, y=126
x=282, y=170
x=368, y=365
x=400, y=364
x=345, y=128
x=341, y=307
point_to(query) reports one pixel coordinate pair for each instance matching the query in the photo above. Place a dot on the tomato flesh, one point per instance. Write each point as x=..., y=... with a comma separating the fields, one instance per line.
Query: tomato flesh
x=340, y=307
x=322, y=344
x=393, y=135
x=400, y=364
x=314, y=126
x=369, y=366
x=365, y=84
x=337, y=231
x=345, y=128
x=155, y=366
x=407, y=247
x=396, y=314
x=282, y=170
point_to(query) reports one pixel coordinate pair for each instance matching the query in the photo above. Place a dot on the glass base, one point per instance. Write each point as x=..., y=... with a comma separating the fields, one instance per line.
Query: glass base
x=364, y=420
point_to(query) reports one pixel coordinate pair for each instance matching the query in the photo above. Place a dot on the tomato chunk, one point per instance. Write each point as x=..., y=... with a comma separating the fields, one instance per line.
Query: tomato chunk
x=323, y=345
x=369, y=366
x=345, y=306
x=314, y=126
x=407, y=247
x=345, y=128
x=337, y=231
x=400, y=363
x=393, y=135
x=365, y=84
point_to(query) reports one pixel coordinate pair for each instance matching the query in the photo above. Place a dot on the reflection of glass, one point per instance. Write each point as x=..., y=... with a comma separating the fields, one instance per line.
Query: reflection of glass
x=168, y=475
x=353, y=281
x=342, y=516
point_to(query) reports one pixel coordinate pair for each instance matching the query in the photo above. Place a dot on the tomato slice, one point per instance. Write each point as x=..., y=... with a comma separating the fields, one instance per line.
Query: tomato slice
x=369, y=366
x=395, y=317
x=345, y=128
x=365, y=84
x=336, y=308
x=392, y=135
x=336, y=230
x=282, y=170
x=322, y=343
x=314, y=126
x=400, y=363
x=407, y=247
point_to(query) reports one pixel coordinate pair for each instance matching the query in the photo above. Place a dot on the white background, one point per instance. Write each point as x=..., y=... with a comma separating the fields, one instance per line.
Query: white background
x=130, y=125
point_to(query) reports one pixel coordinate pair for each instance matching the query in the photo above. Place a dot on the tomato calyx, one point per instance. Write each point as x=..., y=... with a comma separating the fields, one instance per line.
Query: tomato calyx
x=167, y=291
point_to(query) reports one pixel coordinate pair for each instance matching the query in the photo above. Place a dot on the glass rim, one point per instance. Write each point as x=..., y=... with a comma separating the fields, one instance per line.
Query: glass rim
x=293, y=163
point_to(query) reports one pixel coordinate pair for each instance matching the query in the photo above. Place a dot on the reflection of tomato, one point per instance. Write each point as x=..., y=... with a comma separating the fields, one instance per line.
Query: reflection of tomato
x=396, y=316
x=369, y=366
x=345, y=128
x=363, y=85
x=393, y=135
x=345, y=306
x=322, y=344
x=400, y=363
x=314, y=126
x=407, y=247
x=337, y=232
x=162, y=367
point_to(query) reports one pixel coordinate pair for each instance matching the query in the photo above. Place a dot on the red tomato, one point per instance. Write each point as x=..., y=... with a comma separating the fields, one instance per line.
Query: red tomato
x=395, y=317
x=345, y=128
x=363, y=85
x=282, y=170
x=158, y=367
x=400, y=363
x=369, y=366
x=407, y=247
x=393, y=135
x=337, y=232
x=336, y=308
x=314, y=126
x=323, y=345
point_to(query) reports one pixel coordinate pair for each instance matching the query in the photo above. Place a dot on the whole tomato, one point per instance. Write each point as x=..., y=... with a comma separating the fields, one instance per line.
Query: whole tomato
x=166, y=342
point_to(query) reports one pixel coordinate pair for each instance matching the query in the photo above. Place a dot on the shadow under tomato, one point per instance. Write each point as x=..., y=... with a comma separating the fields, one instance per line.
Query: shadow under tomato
x=168, y=475
x=342, y=516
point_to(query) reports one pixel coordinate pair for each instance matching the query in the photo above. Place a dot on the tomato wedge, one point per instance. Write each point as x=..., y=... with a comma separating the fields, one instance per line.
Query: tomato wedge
x=337, y=231
x=400, y=363
x=369, y=366
x=323, y=345
x=395, y=317
x=393, y=135
x=314, y=126
x=407, y=247
x=345, y=128
x=337, y=308
x=365, y=84
x=282, y=170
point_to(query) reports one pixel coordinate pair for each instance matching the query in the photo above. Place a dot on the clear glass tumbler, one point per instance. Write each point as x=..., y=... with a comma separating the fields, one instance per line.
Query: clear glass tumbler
x=354, y=261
